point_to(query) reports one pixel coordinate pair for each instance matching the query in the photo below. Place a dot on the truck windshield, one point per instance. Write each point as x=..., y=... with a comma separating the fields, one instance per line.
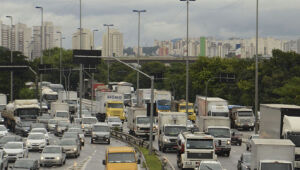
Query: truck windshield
x=143, y=120
x=28, y=113
x=183, y=107
x=164, y=102
x=174, y=130
x=245, y=114
x=224, y=114
x=121, y=157
x=115, y=105
x=101, y=129
x=276, y=166
x=127, y=96
x=89, y=120
x=62, y=114
x=200, y=144
x=219, y=132
x=51, y=97
x=295, y=138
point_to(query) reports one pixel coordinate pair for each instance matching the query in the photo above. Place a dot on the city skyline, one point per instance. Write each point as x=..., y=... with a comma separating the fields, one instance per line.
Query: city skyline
x=221, y=19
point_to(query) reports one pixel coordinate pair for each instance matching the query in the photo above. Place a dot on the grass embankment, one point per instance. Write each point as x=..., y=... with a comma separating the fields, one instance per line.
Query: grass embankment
x=152, y=160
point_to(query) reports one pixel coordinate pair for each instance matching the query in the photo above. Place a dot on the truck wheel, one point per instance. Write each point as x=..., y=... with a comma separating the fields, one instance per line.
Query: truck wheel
x=153, y=137
x=227, y=153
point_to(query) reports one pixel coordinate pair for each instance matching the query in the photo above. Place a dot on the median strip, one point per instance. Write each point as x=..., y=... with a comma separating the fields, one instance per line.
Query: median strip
x=152, y=160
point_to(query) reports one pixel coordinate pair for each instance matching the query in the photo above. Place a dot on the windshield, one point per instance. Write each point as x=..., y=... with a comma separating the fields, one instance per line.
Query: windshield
x=13, y=146
x=224, y=114
x=101, y=128
x=44, y=131
x=183, y=107
x=143, y=120
x=89, y=120
x=24, y=164
x=115, y=119
x=62, y=114
x=2, y=128
x=219, y=132
x=71, y=101
x=295, y=138
x=127, y=96
x=115, y=105
x=174, y=130
x=52, y=150
x=51, y=121
x=36, y=136
x=276, y=166
x=28, y=113
x=245, y=114
x=210, y=166
x=200, y=144
x=121, y=157
x=68, y=142
x=6, y=139
x=164, y=102
x=51, y=96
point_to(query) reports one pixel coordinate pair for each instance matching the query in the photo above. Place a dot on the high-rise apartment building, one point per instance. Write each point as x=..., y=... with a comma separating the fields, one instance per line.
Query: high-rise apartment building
x=115, y=41
x=86, y=39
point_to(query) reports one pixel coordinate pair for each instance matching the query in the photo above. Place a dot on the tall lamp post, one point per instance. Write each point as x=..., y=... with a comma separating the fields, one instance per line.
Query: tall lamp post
x=60, y=56
x=187, y=56
x=11, y=60
x=256, y=72
x=138, y=53
x=108, y=54
x=93, y=75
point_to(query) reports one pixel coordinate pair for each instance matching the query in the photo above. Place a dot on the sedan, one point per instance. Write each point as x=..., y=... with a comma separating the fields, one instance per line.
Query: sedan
x=26, y=163
x=244, y=161
x=61, y=127
x=41, y=130
x=9, y=138
x=3, y=160
x=72, y=135
x=51, y=124
x=22, y=128
x=53, y=155
x=81, y=134
x=36, y=141
x=15, y=150
x=71, y=147
x=44, y=118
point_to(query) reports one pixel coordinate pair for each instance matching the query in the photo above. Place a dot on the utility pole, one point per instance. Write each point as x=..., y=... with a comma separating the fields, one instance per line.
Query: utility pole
x=41, y=46
x=11, y=60
x=81, y=66
x=108, y=54
x=60, y=57
x=93, y=75
x=256, y=72
x=138, y=53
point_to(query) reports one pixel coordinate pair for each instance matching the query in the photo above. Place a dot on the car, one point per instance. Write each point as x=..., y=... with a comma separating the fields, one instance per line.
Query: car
x=37, y=125
x=53, y=155
x=248, y=144
x=15, y=150
x=44, y=118
x=3, y=160
x=22, y=128
x=71, y=147
x=87, y=123
x=1, y=120
x=36, y=141
x=72, y=135
x=26, y=163
x=209, y=165
x=80, y=132
x=114, y=123
x=10, y=138
x=100, y=133
x=61, y=127
x=244, y=162
x=51, y=124
x=236, y=137
x=3, y=131
x=41, y=130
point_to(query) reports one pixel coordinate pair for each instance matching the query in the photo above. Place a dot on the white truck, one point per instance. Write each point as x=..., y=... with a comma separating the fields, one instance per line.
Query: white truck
x=49, y=96
x=3, y=101
x=219, y=128
x=194, y=148
x=272, y=154
x=242, y=118
x=170, y=124
x=69, y=97
x=144, y=97
x=109, y=104
x=280, y=121
x=60, y=111
x=211, y=106
x=125, y=89
x=163, y=100
x=138, y=123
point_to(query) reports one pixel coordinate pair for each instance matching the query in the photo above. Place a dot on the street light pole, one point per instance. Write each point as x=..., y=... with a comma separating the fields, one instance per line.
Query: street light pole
x=138, y=53
x=11, y=60
x=81, y=66
x=93, y=75
x=108, y=54
x=256, y=72
x=41, y=46
x=60, y=56
x=187, y=57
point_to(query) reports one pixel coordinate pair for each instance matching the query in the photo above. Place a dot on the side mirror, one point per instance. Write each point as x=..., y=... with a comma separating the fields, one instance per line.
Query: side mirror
x=138, y=161
x=103, y=162
x=220, y=142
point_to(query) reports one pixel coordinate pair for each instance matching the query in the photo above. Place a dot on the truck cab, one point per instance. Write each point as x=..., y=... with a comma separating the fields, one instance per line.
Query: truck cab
x=243, y=118
x=222, y=139
x=121, y=158
x=191, y=113
x=218, y=110
x=62, y=115
x=168, y=136
x=115, y=108
x=194, y=148
x=163, y=105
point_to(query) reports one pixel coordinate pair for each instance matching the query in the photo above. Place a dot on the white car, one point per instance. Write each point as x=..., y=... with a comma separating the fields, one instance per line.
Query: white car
x=15, y=150
x=114, y=122
x=209, y=165
x=3, y=131
x=36, y=141
x=41, y=130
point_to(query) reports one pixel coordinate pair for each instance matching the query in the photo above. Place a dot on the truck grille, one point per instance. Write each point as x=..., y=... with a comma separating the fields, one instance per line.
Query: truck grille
x=297, y=157
x=145, y=129
x=200, y=155
x=116, y=113
x=173, y=140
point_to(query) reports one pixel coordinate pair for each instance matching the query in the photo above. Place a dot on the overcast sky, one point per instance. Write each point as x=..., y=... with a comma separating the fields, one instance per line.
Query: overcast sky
x=164, y=19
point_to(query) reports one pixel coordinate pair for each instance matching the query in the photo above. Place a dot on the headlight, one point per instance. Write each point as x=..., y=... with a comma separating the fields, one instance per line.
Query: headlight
x=93, y=134
x=42, y=158
x=58, y=158
x=74, y=149
x=59, y=129
x=166, y=140
x=27, y=143
x=228, y=142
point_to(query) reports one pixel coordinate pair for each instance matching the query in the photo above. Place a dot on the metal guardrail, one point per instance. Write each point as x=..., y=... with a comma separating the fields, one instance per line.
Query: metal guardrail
x=166, y=164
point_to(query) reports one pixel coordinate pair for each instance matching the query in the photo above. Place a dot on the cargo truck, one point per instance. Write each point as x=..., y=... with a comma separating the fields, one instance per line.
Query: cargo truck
x=272, y=154
x=144, y=97
x=109, y=104
x=60, y=111
x=211, y=106
x=170, y=124
x=180, y=106
x=163, y=100
x=125, y=89
x=194, y=148
x=138, y=123
x=280, y=121
x=219, y=128
x=242, y=118
x=49, y=96
x=69, y=97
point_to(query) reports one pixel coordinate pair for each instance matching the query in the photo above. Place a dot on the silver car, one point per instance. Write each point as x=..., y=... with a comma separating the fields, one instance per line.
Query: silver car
x=51, y=124
x=53, y=155
x=71, y=147
x=114, y=123
x=81, y=134
x=209, y=165
x=87, y=123
x=100, y=133
x=36, y=141
x=15, y=150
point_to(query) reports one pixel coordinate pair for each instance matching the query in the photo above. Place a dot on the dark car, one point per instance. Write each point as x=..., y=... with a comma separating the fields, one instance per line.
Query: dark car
x=12, y=138
x=244, y=161
x=38, y=125
x=61, y=127
x=71, y=147
x=236, y=137
x=26, y=163
x=22, y=128
x=72, y=135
